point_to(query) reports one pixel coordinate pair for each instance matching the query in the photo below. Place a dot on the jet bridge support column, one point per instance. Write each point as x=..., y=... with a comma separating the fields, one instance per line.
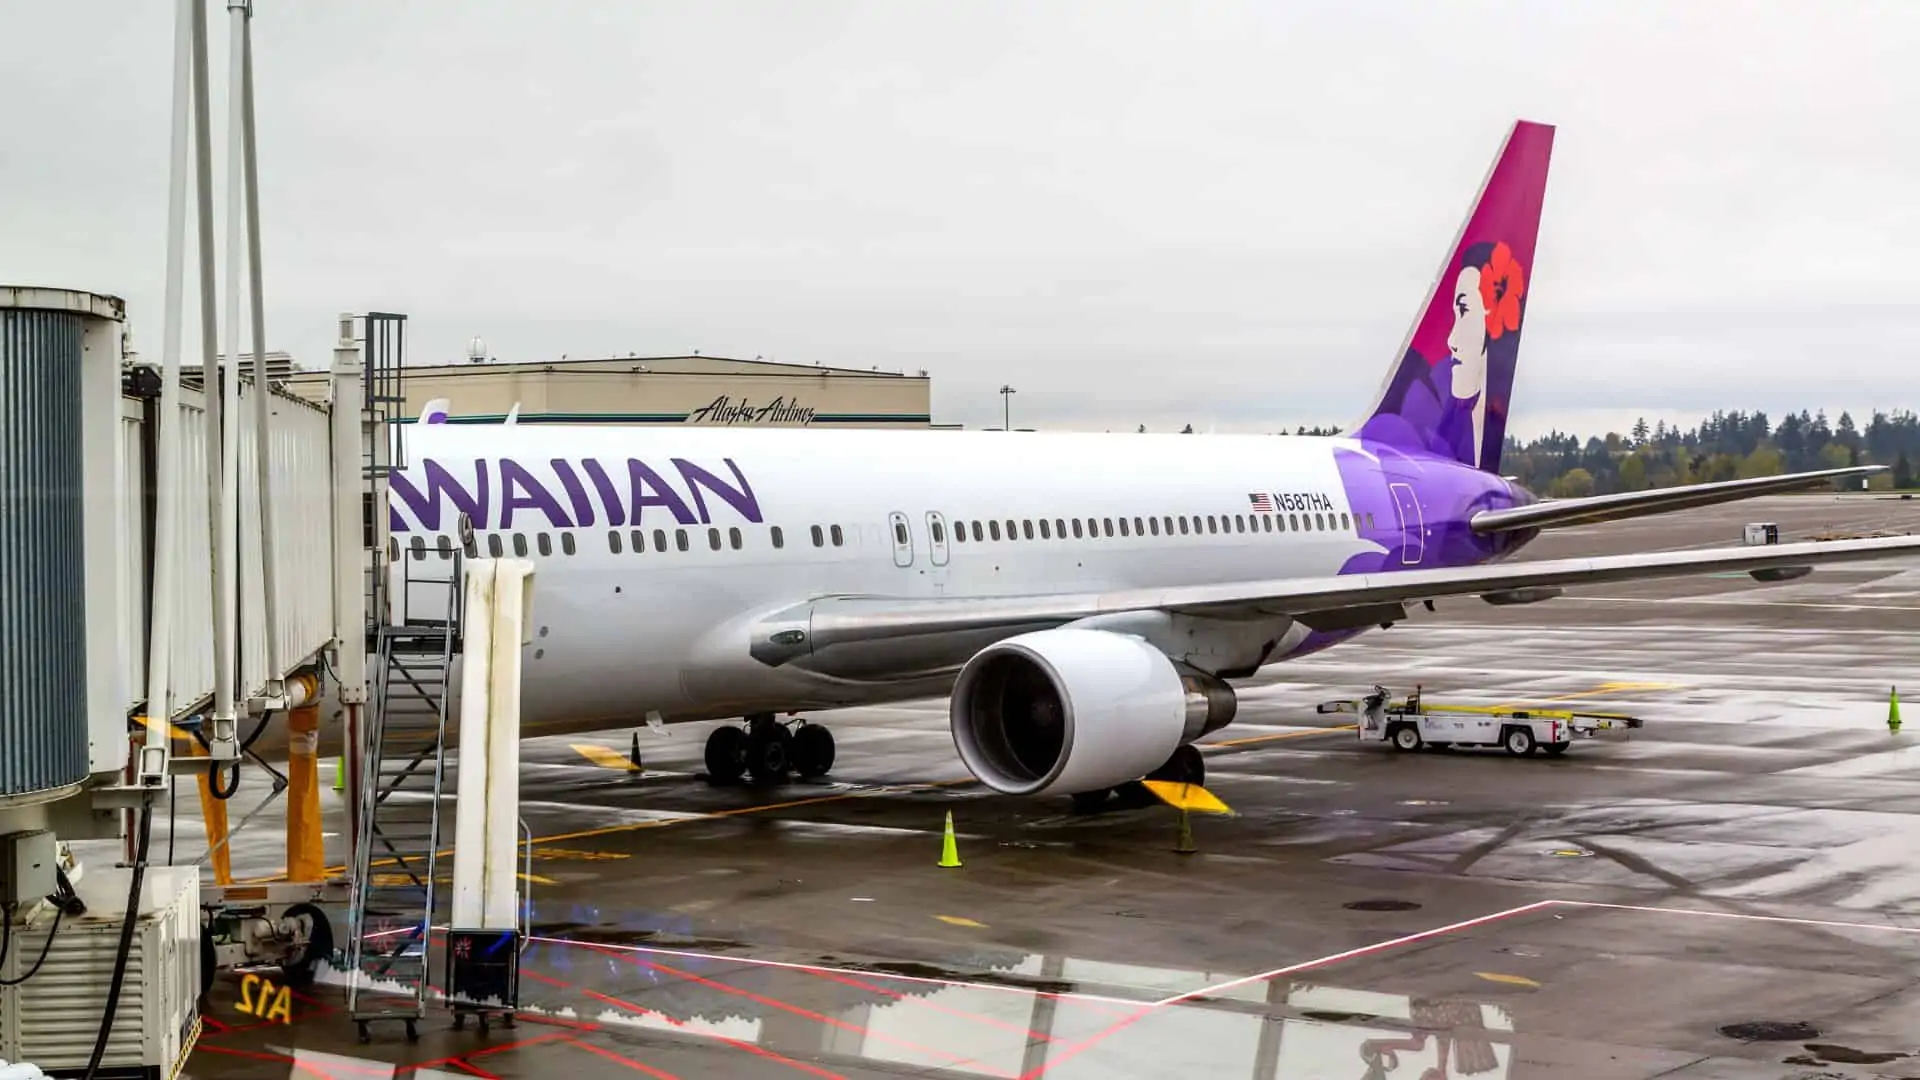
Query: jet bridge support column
x=486, y=933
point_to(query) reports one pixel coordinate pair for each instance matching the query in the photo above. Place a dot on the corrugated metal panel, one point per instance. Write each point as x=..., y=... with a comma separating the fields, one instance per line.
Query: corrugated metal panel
x=300, y=455
x=43, y=664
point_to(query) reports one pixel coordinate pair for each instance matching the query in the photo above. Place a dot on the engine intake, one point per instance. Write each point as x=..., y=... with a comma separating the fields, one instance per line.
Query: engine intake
x=1070, y=710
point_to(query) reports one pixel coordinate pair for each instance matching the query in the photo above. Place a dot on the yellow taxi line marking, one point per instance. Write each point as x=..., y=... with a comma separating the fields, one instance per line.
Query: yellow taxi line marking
x=711, y=815
x=604, y=757
x=1251, y=739
x=961, y=920
x=1510, y=980
x=1603, y=688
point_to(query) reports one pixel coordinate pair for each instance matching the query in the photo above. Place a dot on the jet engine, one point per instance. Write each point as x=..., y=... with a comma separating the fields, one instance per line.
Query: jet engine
x=1070, y=710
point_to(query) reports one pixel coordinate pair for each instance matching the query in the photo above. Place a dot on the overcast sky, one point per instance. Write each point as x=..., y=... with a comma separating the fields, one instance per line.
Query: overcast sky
x=1134, y=212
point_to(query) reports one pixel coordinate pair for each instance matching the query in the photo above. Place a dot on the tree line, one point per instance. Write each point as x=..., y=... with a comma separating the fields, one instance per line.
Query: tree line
x=1725, y=446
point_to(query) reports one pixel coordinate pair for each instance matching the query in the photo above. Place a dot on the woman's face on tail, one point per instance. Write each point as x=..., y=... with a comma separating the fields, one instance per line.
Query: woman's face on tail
x=1468, y=341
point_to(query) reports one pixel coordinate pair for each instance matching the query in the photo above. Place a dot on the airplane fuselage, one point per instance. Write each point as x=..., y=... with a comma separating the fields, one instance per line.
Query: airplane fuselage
x=658, y=550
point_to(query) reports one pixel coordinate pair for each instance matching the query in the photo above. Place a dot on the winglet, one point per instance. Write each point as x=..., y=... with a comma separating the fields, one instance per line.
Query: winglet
x=513, y=415
x=435, y=411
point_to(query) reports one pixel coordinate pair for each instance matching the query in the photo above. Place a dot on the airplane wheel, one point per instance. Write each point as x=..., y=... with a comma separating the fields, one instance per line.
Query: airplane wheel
x=1519, y=741
x=812, y=751
x=726, y=755
x=1406, y=737
x=769, y=754
x=1186, y=766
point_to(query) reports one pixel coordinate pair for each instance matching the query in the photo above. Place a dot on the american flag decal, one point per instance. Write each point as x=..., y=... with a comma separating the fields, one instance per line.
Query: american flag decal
x=1262, y=503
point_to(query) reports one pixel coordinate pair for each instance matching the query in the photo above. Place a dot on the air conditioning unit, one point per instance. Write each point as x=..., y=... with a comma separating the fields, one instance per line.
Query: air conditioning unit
x=156, y=1020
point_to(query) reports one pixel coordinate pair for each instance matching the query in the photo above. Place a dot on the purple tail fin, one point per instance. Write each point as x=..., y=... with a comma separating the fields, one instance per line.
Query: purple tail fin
x=1448, y=392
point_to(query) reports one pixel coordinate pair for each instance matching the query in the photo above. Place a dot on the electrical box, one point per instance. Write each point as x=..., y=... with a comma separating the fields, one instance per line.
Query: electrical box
x=27, y=861
x=1761, y=532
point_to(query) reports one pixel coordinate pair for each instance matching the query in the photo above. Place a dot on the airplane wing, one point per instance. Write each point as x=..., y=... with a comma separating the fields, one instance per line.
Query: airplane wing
x=1322, y=603
x=1555, y=513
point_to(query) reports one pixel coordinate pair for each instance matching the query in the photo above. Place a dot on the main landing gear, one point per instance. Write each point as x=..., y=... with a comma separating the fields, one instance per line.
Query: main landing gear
x=767, y=750
x=1186, y=766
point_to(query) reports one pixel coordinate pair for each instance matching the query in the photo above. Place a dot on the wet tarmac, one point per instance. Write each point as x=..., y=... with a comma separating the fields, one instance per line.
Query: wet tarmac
x=1731, y=892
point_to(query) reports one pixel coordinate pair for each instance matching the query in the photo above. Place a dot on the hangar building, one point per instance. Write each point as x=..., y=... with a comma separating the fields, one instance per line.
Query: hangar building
x=709, y=390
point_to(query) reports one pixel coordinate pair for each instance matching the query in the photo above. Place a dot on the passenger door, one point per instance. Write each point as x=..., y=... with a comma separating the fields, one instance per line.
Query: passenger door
x=1413, y=526
x=902, y=538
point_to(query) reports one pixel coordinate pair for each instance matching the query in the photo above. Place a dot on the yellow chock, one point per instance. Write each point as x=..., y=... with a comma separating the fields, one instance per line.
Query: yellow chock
x=949, y=850
x=1185, y=846
x=1893, y=710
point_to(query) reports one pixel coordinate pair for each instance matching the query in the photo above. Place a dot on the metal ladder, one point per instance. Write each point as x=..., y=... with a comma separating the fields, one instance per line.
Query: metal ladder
x=395, y=899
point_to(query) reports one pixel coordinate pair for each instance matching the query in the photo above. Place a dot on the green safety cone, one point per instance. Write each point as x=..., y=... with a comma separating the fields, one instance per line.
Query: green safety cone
x=339, y=774
x=1893, y=710
x=949, y=850
x=1185, y=846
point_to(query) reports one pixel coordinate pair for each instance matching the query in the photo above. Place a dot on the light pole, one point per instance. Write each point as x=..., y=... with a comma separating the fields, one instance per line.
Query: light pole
x=1006, y=407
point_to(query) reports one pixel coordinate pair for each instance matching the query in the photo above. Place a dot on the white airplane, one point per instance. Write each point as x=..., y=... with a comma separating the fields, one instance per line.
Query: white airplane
x=1085, y=599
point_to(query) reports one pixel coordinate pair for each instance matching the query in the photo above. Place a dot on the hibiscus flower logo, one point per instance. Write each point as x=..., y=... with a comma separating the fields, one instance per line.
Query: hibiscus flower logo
x=1502, y=283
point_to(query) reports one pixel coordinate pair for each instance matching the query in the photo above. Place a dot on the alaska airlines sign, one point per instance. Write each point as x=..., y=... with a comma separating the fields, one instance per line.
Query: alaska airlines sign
x=564, y=493
x=723, y=410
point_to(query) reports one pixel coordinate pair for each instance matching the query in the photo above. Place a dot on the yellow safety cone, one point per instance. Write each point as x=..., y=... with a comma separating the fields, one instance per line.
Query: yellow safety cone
x=1893, y=710
x=949, y=850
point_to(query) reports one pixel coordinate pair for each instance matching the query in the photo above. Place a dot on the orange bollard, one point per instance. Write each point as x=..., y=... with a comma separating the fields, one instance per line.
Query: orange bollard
x=214, y=812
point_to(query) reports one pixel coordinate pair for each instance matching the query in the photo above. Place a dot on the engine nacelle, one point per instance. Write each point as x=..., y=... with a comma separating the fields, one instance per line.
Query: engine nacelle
x=1072, y=710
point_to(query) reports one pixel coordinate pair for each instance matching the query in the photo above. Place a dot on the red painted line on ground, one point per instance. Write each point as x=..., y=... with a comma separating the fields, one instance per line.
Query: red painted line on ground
x=467, y=1066
x=641, y=1010
x=466, y=1058
x=283, y=1059
x=821, y=1018
x=1306, y=965
x=910, y=999
x=658, y=1074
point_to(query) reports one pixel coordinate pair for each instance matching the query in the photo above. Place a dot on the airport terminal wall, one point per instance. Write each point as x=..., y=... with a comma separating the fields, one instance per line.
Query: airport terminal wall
x=703, y=390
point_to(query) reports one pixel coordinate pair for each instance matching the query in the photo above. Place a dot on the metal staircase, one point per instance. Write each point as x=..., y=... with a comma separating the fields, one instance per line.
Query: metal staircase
x=395, y=900
x=382, y=413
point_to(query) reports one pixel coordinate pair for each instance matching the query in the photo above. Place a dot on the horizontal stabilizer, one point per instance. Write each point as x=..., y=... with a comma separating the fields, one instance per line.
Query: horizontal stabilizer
x=1558, y=513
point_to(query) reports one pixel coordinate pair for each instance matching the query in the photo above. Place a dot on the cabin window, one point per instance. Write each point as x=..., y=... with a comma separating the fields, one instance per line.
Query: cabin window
x=976, y=531
x=1060, y=528
x=472, y=546
x=493, y=545
x=1076, y=528
x=819, y=540
x=1013, y=529
x=1046, y=529
x=1213, y=525
x=446, y=547
x=417, y=547
x=1369, y=521
x=659, y=539
x=1123, y=528
x=1183, y=525
x=1154, y=524
x=1344, y=523
x=613, y=541
x=779, y=541
x=713, y=538
x=1320, y=521
x=680, y=539
x=960, y=532
x=520, y=545
x=1106, y=525
x=839, y=538
x=900, y=533
x=544, y=543
x=733, y=537
x=567, y=543
x=1239, y=523
x=993, y=529
x=1026, y=528
x=1293, y=522
x=1266, y=522
x=939, y=534
x=1169, y=523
